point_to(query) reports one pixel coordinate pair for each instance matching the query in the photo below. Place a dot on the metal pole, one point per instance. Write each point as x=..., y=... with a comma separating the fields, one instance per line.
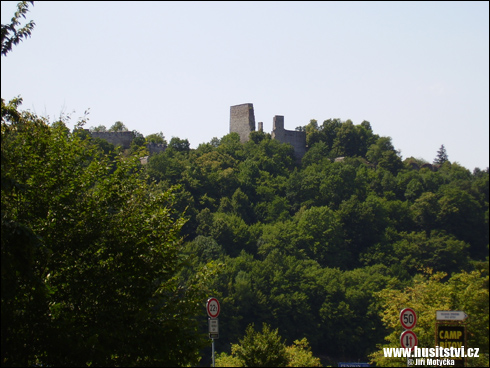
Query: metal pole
x=213, y=352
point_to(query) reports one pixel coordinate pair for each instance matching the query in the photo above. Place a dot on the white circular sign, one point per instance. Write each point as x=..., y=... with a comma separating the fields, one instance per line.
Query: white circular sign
x=213, y=307
x=408, y=340
x=408, y=318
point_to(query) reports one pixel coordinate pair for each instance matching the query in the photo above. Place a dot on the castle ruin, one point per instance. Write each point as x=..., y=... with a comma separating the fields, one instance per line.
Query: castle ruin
x=242, y=121
x=292, y=137
x=122, y=139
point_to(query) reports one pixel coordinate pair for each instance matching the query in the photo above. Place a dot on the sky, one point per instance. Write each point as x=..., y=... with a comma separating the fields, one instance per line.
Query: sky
x=417, y=71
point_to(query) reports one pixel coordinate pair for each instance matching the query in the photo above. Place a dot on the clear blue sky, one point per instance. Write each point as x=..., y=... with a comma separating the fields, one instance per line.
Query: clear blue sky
x=417, y=71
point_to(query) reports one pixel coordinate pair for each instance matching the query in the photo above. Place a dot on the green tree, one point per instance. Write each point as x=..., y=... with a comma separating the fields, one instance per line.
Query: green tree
x=313, y=134
x=166, y=166
x=346, y=142
x=230, y=144
x=90, y=259
x=118, y=126
x=179, y=145
x=460, y=214
x=441, y=156
x=11, y=33
x=157, y=138
x=261, y=349
x=383, y=154
x=241, y=206
x=98, y=128
x=363, y=224
x=429, y=293
x=137, y=144
x=320, y=237
x=329, y=130
x=439, y=251
x=299, y=355
x=232, y=233
x=425, y=212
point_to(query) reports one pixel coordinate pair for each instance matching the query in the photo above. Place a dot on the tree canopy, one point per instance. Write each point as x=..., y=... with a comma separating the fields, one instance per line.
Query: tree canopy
x=91, y=256
x=86, y=230
x=13, y=33
x=441, y=156
x=109, y=255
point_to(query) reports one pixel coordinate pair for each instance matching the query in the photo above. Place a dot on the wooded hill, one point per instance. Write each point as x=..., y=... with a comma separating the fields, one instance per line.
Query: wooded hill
x=308, y=246
x=107, y=261
x=326, y=249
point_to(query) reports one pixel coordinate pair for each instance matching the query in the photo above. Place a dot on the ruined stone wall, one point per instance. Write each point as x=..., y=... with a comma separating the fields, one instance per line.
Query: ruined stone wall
x=292, y=137
x=155, y=148
x=123, y=139
x=242, y=120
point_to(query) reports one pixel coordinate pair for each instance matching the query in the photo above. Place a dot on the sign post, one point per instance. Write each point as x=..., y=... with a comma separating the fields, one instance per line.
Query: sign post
x=408, y=320
x=451, y=332
x=213, y=309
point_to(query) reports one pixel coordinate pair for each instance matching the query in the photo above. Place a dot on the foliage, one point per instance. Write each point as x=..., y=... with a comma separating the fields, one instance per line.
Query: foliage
x=118, y=126
x=299, y=355
x=11, y=33
x=321, y=237
x=266, y=349
x=90, y=257
x=441, y=156
x=324, y=236
x=179, y=145
x=98, y=128
x=107, y=261
x=157, y=138
x=225, y=360
x=261, y=349
x=429, y=293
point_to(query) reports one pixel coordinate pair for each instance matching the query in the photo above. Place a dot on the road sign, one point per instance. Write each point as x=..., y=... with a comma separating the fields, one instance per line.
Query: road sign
x=213, y=308
x=408, y=318
x=213, y=328
x=451, y=315
x=408, y=339
x=451, y=336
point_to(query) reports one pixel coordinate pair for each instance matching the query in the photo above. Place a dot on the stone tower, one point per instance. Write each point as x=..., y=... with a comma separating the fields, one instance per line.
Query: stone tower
x=292, y=137
x=242, y=120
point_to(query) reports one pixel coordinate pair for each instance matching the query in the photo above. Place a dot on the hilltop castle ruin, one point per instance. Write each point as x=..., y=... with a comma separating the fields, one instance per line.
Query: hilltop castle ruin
x=242, y=121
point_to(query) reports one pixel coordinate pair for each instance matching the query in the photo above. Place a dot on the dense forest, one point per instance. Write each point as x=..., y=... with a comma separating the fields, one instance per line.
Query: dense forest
x=109, y=261
x=324, y=249
x=308, y=247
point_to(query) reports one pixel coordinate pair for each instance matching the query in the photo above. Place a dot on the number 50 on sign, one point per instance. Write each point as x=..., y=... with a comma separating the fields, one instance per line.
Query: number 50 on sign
x=408, y=318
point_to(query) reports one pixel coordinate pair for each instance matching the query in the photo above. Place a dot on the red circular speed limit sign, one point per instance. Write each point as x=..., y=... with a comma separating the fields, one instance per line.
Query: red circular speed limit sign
x=408, y=318
x=408, y=340
x=212, y=306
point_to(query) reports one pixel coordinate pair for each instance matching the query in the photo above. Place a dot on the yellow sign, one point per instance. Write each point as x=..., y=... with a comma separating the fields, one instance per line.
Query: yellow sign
x=452, y=336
